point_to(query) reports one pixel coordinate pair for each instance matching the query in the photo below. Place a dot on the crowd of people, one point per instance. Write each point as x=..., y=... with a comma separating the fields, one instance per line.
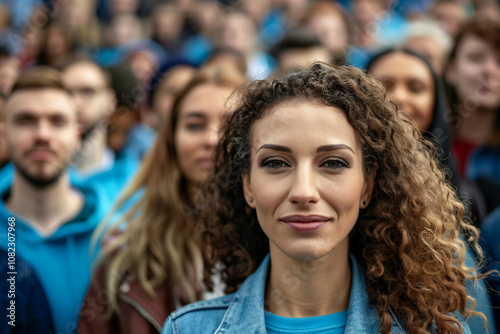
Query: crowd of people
x=252, y=166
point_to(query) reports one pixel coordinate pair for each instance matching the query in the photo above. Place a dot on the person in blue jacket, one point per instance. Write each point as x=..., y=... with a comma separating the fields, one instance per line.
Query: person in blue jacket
x=54, y=217
x=327, y=213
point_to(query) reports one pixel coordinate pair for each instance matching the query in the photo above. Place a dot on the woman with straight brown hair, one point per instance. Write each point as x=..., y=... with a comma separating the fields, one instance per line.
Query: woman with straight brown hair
x=152, y=262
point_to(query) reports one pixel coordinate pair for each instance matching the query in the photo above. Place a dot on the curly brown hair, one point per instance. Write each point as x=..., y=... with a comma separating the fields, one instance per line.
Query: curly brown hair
x=407, y=239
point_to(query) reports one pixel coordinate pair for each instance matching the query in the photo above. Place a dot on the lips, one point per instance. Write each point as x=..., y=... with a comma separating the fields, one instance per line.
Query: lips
x=41, y=155
x=301, y=223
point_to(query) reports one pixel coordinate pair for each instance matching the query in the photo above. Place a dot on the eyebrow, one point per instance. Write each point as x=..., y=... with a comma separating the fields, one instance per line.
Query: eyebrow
x=194, y=114
x=324, y=148
x=275, y=147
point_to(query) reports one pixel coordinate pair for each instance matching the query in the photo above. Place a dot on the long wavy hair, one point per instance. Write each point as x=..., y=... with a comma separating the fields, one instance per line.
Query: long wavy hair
x=157, y=240
x=407, y=239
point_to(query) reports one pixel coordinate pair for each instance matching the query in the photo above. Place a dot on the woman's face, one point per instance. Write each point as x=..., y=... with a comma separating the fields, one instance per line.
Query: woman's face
x=409, y=83
x=197, y=130
x=306, y=179
x=475, y=73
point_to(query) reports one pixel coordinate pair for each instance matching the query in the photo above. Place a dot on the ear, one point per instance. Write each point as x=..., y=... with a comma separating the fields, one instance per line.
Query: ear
x=247, y=191
x=366, y=193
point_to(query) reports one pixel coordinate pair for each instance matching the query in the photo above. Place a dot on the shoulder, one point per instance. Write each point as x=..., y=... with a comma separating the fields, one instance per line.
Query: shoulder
x=204, y=316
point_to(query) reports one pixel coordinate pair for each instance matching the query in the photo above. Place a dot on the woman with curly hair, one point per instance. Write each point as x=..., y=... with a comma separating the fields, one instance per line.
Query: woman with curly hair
x=319, y=170
x=152, y=261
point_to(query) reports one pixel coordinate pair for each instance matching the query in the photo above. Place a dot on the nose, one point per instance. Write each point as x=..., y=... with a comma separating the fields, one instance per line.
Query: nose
x=492, y=68
x=304, y=189
x=212, y=138
x=43, y=131
x=400, y=97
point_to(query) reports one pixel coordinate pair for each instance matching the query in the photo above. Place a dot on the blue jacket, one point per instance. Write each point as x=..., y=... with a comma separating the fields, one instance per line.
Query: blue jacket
x=24, y=302
x=243, y=311
x=62, y=260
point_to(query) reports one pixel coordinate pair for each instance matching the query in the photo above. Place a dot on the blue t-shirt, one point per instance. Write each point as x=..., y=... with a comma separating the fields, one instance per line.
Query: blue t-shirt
x=326, y=324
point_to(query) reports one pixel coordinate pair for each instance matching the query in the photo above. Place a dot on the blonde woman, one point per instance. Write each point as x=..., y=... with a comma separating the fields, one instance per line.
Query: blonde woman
x=153, y=264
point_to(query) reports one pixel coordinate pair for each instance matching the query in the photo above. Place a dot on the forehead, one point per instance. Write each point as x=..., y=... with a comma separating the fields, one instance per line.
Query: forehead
x=472, y=42
x=83, y=73
x=304, y=125
x=205, y=97
x=399, y=64
x=40, y=102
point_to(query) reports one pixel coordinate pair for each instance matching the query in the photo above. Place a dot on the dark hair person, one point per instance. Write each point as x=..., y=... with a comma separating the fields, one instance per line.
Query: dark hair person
x=320, y=170
x=153, y=263
x=473, y=76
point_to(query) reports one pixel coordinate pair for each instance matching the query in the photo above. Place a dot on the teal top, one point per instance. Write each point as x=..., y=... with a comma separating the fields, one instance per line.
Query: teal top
x=326, y=324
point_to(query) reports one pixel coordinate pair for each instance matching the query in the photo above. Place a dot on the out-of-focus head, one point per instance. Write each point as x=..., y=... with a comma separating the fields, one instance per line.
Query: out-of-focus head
x=239, y=32
x=228, y=57
x=449, y=13
x=41, y=126
x=299, y=49
x=166, y=84
x=58, y=42
x=409, y=82
x=167, y=23
x=90, y=86
x=124, y=28
x=197, y=116
x=329, y=21
x=78, y=12
x=474, y=65
x=10, y=68
x=431, y=41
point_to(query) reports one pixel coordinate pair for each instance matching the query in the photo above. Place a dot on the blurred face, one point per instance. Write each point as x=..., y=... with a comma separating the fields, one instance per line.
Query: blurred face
x=9, y=71
x=432, y=50
x=331, y=31
x=120, y=124
x=57, y=43
x=174, y=81
x=94, y=99
x=449, y=15
x=475, y=73
x=239, y=33
x=197, y=130
x=409, y=83
x=299, y=58
x=306, y=179
x=42, y=133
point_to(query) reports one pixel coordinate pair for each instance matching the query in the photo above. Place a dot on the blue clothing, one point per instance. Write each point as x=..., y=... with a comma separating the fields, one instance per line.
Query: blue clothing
x=62, y=260
x=490, y=230
x=326, y=324
x=484, y=162
x=243, y=311
x=25, y=299
x=140, y=139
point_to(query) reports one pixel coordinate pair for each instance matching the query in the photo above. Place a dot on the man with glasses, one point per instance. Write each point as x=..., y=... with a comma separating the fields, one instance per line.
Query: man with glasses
x=90, y=86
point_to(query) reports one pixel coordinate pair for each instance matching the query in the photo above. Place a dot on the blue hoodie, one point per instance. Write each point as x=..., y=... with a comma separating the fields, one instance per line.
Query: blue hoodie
x=62, y=260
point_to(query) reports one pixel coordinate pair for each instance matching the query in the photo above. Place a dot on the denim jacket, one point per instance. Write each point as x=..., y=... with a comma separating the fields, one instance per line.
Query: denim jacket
x=243, y=311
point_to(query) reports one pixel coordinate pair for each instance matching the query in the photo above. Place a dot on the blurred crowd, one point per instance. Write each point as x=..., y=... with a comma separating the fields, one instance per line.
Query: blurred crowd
x=136, y=69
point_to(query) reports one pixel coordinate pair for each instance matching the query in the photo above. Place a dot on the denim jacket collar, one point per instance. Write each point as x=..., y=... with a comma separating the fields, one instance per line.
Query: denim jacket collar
x=246, y=312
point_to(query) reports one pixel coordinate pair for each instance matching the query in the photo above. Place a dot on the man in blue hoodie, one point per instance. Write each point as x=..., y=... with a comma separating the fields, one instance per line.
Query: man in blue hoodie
x=50, y=218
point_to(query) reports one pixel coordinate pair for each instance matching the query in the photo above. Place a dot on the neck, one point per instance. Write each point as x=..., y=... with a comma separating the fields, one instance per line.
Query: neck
x=44, y=209
x=475, y=125
x=91, y=155
x=308, y=288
